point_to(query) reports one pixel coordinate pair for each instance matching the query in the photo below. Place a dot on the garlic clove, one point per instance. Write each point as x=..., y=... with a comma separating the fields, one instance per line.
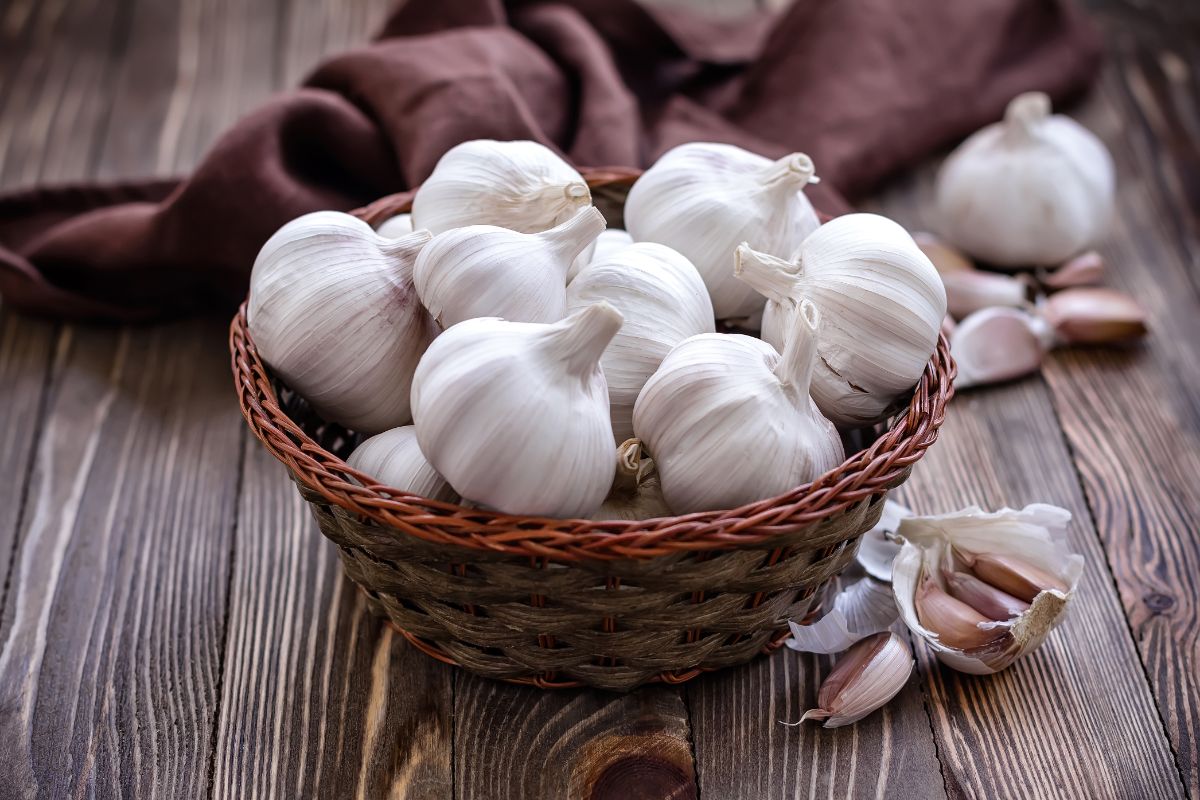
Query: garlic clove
x=989, y=601
x=636, y=492
x=946, y=258
x=1094, y=315
x=608, y=243
x=997, y=344
x=393, y=459
x=970, y=290
x=1086, y=269
x=955, y=623
x=1013, y=574
x=863, y=608
x=866, y=678
x=395, y=227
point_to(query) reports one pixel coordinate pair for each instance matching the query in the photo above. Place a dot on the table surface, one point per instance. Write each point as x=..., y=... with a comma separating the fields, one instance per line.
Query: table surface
x=172, y=623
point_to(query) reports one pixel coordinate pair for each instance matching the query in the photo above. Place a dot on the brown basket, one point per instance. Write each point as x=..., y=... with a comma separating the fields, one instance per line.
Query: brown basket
x=555, y=602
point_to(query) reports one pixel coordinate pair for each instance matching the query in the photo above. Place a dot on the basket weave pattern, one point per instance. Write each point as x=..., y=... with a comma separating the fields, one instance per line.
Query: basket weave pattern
x=555, y=602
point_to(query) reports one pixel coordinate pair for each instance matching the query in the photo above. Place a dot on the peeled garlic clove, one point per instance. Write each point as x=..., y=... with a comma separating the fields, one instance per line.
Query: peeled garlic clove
x=970, y=290
x=704, y=199
x=1014, y=575
x=866, y=678
x=881, y=303
x=997, y=344
x=333, y=313
x=602, y=248
x=663, y=301
x=730, y=421
x=983, y=597
x=394, y=459
x=485, y=271
x=1086, y=269
x=635, y=492
x=395, y=227
x=1095, y=315
x=515, y=415
x=945, y=258
x=521, y=185
x=863, y=608
x=1033, y=190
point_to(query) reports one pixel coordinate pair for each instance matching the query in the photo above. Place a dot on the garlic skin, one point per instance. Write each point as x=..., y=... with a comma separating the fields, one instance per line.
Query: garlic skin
x=523, y=186
x=663, y=301
x=605, y=245
x=704, y=199
x=333, y=312
x=878, y=546
x=866, y=678
x=1035, y=534
x=394, y=459
x=729, y=421
x=486, y=271
x=636, y=492
x=863, y=608
x=881, y=303
x=395, y=227
x=1032, y=190
x=515, y=415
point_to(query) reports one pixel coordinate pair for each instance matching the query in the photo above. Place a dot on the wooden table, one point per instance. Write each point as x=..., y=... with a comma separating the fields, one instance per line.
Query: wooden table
x=173, y=625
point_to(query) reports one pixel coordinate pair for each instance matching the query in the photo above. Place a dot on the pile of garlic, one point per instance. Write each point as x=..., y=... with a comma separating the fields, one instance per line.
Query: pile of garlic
x=506, y=351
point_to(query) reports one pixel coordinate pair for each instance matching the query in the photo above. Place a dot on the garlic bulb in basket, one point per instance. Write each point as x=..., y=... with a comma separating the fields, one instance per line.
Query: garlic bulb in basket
x=521, y=185
x=636, y=492
x=729, y=421
x=485, y=271
x=704, y=199
x=1032, y=190
x=333, y=312
x=515, y=415
x=881, y=304
x=663, y=301
x=608, y=242
x=395, y=227
x=394, y=459
x=984, y=589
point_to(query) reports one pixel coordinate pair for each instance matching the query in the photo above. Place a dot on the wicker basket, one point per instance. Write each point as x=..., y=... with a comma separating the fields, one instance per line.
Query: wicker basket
x=558, y=603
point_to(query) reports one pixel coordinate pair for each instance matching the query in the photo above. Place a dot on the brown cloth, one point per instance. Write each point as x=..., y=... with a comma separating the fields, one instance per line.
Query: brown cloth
x=864, y=86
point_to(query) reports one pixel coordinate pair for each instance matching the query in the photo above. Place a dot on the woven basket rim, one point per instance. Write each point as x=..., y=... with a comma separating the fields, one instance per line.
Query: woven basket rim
x=882, y=465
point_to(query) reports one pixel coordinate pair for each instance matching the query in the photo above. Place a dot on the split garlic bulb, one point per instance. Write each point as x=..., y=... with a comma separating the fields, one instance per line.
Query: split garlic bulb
x=394, y=459
x=881, y=304
x=334, y=314
x=522, y=186
x=636, y=492
x=395, y=227
x=729, y=420
x=704, y=199
x=515, y=414
x=485, y=271
x=663, y=301
x=608, y=242
x=1033, y=190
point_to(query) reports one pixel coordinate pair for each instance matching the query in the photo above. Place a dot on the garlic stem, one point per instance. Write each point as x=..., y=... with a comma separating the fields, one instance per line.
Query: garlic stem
x=629, y=463
x=580, y=339
x=1023, y=113
x=768, y=275
x=571, y=237
x=404, y=247
x=795, y=367
x=794, y=169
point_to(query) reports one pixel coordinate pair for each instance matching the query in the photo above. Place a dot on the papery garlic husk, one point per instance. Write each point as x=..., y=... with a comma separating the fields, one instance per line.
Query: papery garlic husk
x=866, y=678
x=663, y=301
x=878, y=547
x=523, y=186
x=334, y=314
x=863, y=608
x=636, y=492
x=881, y=303
x=1032, y=190
x=394, y=459
x=729, y=421
x=395, y=227
x=485, y=271
x=1035, y=534
x=1094, y=315
x=605, y=245
x=998, y=344
x=515, y=415
x=705, y=199
x=969, y=290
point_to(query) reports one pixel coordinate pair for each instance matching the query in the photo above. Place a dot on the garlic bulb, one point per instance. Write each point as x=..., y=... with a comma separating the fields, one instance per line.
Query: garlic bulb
x=334, y=314
x=485, y=271
x=984, y=589
x=515, y=415
x=635, y=492
x=1032, y=190
x=608, y=242
x=704, y=199
x=394, y=459
x=881, y=304
x=729, y=421
x=663, y=301
x=522, y=186
x=395, y=227
x=866, y=678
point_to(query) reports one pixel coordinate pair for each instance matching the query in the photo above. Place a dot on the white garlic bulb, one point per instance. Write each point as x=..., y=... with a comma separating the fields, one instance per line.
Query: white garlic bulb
x=608, y=242
x=523, y=186
x=1032, y=190
x=729, y=421
x=394, y=459
x=704, y=199
x=485, y=271
x=663, y=301
x=515, y=415
x=333, y=312
x=983, y=589
x=636, y=492
x=881, y=304
x=395, y=227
